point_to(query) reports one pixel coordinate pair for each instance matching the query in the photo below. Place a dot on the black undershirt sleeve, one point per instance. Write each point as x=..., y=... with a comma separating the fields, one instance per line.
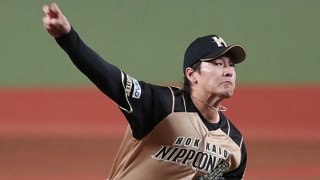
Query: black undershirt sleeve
x=104, y=75
x=144, y=105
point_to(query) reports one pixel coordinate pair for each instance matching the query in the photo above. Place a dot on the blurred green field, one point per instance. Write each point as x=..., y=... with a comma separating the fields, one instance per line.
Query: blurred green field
x=147, y=39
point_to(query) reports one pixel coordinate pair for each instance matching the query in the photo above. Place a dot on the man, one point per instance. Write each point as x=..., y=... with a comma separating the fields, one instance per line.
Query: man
x=172, y=133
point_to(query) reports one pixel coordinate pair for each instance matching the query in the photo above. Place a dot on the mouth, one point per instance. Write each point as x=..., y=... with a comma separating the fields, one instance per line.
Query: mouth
x=227, y=83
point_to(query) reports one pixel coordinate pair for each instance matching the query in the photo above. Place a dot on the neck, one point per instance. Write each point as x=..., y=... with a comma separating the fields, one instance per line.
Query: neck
x=208, y=107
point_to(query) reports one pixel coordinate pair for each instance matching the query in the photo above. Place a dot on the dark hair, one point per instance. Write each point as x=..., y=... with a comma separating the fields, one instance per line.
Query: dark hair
x=186, y=83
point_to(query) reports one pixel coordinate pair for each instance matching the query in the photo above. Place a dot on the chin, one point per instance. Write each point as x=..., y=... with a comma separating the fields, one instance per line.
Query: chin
x=227, y=93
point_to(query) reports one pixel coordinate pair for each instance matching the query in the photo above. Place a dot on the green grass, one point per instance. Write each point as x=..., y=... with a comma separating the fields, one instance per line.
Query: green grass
x=147, y=39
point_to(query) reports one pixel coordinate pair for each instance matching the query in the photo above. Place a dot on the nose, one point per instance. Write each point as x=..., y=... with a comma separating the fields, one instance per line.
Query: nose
x=228, y=71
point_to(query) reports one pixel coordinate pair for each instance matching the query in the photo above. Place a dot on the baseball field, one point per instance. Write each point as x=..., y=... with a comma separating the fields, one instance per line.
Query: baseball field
x=54, y=124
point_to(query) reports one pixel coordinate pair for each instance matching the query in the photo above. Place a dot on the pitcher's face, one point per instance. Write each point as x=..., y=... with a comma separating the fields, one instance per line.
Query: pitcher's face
x=217, y=76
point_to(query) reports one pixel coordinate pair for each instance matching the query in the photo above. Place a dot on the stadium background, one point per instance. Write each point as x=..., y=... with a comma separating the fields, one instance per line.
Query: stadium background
x=54, y=124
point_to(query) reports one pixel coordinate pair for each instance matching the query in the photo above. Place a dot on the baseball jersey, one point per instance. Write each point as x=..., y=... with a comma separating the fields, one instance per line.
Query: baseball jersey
x=167, y=137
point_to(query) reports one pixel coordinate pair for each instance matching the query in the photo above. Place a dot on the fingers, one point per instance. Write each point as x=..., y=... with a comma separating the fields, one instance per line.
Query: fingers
x=45, y=9
x=53, y=11
x=55, y=8
x=49, y=20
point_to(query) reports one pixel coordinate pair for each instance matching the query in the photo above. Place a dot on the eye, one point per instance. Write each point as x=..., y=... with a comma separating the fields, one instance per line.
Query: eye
x=218, y=63
x=232, y=65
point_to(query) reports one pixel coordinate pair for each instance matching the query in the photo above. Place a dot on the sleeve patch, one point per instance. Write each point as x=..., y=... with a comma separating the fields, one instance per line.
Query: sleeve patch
x=136, y=90
x=132, y=87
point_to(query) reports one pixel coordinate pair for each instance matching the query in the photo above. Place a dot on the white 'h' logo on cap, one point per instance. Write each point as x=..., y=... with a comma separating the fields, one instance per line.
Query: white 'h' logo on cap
x=220, y=42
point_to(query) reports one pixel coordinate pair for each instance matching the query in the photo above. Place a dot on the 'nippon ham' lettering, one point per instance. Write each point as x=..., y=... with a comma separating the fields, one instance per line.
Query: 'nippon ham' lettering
x=185, y=151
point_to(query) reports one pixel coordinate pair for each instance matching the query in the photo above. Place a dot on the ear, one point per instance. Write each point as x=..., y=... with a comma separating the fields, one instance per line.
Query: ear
x=191, y=75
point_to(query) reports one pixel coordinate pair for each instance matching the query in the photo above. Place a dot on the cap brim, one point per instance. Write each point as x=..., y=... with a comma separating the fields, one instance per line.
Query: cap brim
x=237, y=52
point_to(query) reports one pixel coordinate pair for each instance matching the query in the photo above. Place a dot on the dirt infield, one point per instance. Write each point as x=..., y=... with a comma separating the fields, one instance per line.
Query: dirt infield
x=74, y=133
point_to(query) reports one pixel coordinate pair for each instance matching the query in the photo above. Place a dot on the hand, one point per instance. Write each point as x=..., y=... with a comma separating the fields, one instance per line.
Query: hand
x=54, y=21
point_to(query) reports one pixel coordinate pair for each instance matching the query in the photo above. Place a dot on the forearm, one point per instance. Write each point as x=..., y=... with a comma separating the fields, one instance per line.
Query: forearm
x=104, y=75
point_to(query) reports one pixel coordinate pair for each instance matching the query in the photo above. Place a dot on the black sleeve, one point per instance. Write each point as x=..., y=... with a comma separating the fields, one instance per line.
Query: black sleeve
x=143, y=104
x=103, y=74
x=149, y=104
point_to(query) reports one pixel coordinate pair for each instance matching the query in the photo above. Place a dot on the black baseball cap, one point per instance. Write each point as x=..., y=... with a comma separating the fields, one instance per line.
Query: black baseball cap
x=211, y=47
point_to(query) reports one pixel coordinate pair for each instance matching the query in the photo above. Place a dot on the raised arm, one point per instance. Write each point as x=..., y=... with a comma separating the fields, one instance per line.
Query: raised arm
x=135, y=98
x=104, y=75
